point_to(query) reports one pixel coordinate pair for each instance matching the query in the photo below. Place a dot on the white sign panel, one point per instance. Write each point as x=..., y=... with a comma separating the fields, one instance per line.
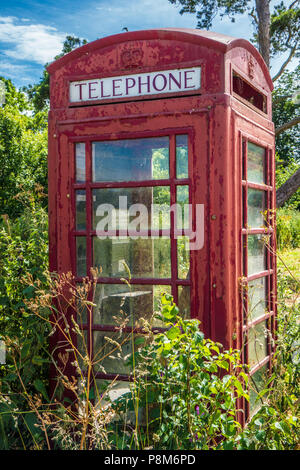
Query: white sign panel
x=141, y=84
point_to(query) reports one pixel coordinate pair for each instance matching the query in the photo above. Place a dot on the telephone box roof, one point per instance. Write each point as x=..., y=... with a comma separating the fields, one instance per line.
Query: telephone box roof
x=208, y=39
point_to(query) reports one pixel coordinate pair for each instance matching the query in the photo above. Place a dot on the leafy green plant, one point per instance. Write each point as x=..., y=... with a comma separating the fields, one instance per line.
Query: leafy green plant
x=183, y=394
x=186, y=384
x=71, y=418
x=186, y=388
x=24, y=252
x=23, y=152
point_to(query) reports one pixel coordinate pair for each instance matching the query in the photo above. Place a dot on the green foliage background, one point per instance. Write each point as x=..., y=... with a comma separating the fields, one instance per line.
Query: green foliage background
x=23, y=152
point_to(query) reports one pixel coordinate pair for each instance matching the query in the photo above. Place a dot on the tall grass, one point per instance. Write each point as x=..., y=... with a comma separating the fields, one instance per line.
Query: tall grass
x=288, y=229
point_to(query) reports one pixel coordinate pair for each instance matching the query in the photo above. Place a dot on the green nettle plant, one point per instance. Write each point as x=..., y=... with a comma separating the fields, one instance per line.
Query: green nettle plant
x=185, y=391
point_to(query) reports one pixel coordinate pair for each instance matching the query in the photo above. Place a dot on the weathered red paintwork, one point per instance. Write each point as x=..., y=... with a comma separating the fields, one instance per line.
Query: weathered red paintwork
x=217, y=122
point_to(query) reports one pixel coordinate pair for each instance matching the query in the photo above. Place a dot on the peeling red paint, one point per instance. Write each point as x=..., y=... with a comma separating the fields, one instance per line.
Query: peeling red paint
x=217, y=121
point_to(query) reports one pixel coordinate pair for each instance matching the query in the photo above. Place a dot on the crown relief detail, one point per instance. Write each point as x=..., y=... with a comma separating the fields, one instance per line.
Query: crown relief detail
x=131, y=58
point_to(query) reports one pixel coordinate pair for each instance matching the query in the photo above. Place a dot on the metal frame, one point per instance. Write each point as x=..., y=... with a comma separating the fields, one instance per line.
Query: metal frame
x=174, y=282
x=269, y=274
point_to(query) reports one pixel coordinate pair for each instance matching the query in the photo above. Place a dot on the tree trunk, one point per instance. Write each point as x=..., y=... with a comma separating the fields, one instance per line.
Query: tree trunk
x=288, y=189
x=263, y=16
x=287, y=125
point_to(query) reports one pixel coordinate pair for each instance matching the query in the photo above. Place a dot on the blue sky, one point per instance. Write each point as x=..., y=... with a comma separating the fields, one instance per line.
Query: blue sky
x=32, y=32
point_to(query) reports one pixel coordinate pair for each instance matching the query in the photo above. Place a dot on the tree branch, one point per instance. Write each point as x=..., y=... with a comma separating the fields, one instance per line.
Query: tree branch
x=292, y=4
x=263, y=29
x=285, y=63
x=288, y=189
x=253, y=15
x=287, y=125
x=278, y=99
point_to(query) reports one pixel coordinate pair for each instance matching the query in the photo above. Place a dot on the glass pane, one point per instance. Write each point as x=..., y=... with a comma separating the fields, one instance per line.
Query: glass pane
x=256, y=163
x=120, y=303
x=80, y=210
x=161, y=207
x=81, y=256
x=184, y=301
x=131, y=160
x=80, y=162
x=257, y=298
x=111, y=352
x=183, y=258
x=244, y=163
x=257, y=343
x=183, y=208
x=107, y=392
x=256, y=207
x=182, y=167
x=81, y=306
x=256, y=385
x=149, y=257
x=256, y=254
x=244, y=195
x=82, y=347
x=153, y=210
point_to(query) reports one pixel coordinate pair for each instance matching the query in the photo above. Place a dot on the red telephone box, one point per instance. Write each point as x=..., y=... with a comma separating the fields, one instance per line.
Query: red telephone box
x=169, y=118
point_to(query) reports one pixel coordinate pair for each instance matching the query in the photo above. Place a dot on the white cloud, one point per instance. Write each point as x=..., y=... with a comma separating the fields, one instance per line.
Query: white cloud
x=16, y=72
x=114, y=15
x=33, y=42
x=10, y=67
x=135, y=15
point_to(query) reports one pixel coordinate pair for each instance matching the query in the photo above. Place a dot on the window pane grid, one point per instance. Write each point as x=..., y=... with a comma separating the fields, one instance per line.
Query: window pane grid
x=88, y=186
x=257, y=197
x=176, y=282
